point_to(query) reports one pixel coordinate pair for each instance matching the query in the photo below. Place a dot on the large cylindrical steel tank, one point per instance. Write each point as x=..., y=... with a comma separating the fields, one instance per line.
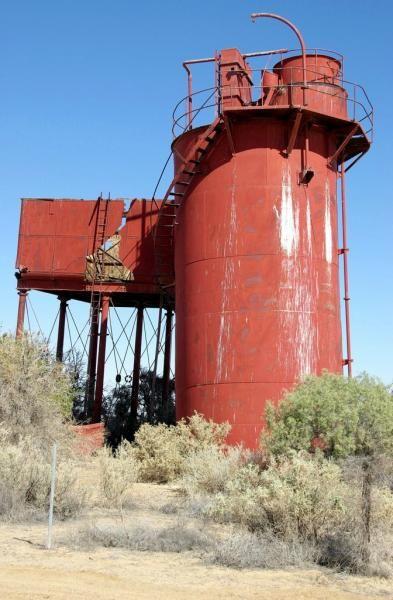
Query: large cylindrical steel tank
x=257, y=285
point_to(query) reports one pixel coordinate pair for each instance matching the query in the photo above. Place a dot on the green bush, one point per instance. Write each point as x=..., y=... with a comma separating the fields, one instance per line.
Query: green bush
x=340, y=416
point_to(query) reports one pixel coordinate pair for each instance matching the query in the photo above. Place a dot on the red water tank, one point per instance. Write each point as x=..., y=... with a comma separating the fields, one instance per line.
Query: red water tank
x=257, y=290
x=256, y=239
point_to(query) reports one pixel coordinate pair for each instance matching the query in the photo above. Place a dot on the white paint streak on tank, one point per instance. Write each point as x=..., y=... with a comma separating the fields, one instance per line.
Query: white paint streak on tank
x=328, y=226
x=297, y=284
x=289, y=231
x=224, y=347
x=308, y=226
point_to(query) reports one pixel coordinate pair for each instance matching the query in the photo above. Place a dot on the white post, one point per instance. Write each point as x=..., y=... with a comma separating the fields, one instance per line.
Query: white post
x=52, y=495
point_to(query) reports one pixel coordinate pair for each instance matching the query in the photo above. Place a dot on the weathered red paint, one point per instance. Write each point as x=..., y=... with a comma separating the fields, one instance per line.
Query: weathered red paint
x=235, y=78
x=89, y=438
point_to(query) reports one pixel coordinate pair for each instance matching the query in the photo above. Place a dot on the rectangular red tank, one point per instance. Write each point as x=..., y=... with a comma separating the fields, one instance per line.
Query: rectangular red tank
x=57, y=236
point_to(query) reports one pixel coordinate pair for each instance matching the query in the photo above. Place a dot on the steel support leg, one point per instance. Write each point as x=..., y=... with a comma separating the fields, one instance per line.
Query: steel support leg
x=60, y=331
x=21, y=312
x=92, y=358
x=137, y=368
x=167, y=365
x=157, y=352
x=348, y=360
x=101, y=360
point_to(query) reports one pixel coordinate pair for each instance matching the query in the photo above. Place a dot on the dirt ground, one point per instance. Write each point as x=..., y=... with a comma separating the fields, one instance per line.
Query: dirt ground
x=30, y=572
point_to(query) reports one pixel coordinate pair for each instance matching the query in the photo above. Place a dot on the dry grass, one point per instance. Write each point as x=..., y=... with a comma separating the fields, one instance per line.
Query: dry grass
x=240, y=550
x=25, y=482
x=208, y=470
x=118, y=472
x=179, y=537
x=27, y=496
x=246, y=550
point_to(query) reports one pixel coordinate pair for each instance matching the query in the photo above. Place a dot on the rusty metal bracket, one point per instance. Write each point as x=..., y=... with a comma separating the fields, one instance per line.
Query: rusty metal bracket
x=342, y=251
x=355, y=161
x=346, y=361
x=228, y=131
x=343, y=145
x=294, y=132
x=270, y=95
x=305, y=176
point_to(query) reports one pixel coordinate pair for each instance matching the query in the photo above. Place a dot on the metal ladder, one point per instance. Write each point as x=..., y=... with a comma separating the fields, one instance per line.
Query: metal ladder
x=164, y=230
x=101, y=223
x=99, y=240
x=95, y=296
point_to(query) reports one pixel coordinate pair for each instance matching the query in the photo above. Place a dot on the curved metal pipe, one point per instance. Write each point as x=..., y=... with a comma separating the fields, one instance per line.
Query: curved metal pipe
x=255, y=16
x=189, y=95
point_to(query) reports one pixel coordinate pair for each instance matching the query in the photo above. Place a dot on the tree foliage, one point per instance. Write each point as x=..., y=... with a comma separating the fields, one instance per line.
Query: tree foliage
x=340, y=416
x=117, y=407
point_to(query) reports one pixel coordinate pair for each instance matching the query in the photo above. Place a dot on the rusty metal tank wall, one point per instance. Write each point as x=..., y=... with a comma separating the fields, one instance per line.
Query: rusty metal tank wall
x=323, y=77
x=257, y=287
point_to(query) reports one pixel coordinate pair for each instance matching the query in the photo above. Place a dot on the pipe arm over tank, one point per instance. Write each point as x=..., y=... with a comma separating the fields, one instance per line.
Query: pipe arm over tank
x=255, y=16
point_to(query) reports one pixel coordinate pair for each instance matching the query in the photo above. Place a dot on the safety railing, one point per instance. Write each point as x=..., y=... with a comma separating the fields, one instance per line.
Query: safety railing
x=312, y=56
x=349, y=99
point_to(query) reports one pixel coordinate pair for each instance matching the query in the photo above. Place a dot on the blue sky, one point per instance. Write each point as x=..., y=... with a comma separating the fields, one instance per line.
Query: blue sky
x=87, y=92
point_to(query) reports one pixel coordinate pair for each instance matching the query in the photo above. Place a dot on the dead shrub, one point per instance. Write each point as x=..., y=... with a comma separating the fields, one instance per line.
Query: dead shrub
x=118, y=472
x=343, y=547
x=343, y=550
x=35, y=392
x=25, y=482
x=35, y=400
x=143, y=538
x=208, y=470
x=70, y=497
x=203, y=433
x=381, y=554
x=169, y=508
x=300, y=496
x=24, y=476
x=162, y=450
x=246, y=550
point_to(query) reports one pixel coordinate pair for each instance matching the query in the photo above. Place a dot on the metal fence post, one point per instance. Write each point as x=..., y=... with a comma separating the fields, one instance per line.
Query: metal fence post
x=52, y=495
